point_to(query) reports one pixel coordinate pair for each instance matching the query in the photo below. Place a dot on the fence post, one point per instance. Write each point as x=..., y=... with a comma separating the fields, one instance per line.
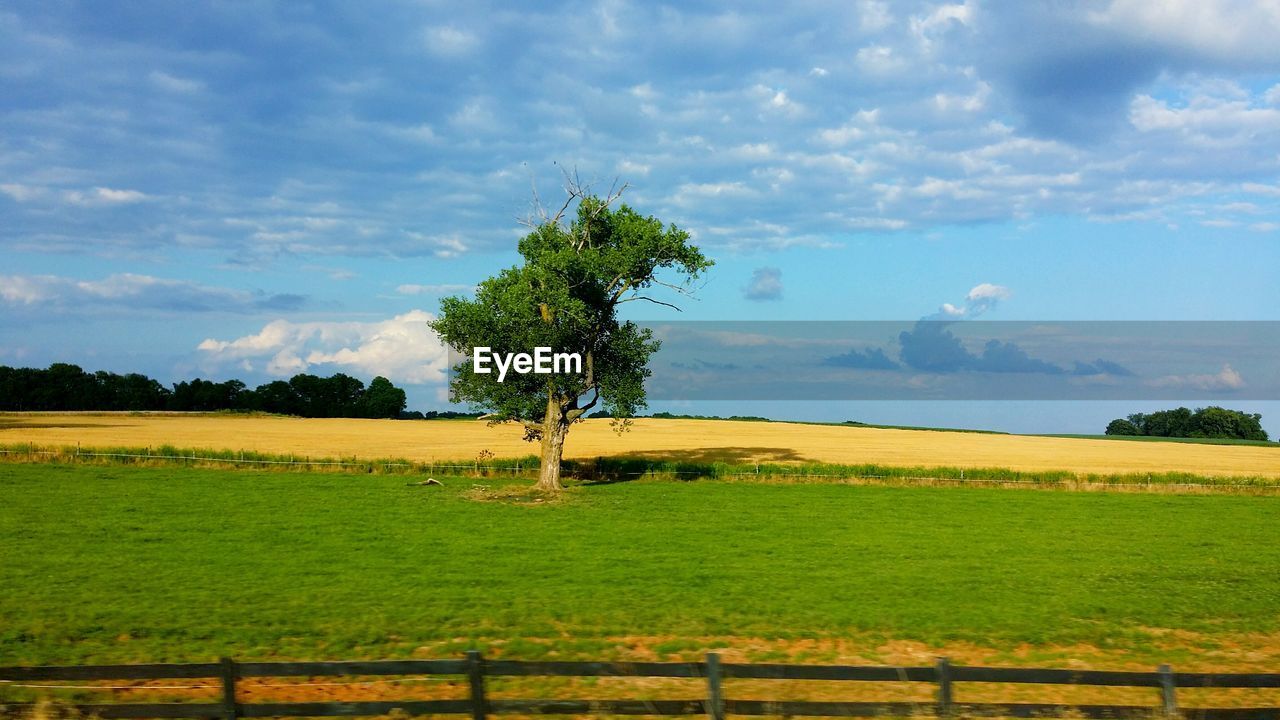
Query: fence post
x=475, y=673
x=945, y=702
x=715, y=698
x=1167, y=691
x=228, y=689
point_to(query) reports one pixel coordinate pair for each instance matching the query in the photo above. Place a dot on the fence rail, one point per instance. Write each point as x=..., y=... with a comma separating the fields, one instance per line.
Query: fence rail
x=714, y=704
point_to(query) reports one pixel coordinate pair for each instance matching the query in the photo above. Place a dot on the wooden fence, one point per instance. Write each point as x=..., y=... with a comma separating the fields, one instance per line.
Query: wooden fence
x=714, y=703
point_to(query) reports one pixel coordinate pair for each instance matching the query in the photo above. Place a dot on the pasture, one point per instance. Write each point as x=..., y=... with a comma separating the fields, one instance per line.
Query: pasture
x=650, y=439
x=113, y=563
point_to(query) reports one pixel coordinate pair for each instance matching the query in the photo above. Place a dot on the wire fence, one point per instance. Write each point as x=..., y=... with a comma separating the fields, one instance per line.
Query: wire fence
x=603, y=470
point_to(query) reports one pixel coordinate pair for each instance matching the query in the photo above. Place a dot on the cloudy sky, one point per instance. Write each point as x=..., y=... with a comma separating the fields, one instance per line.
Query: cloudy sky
x=256, y=189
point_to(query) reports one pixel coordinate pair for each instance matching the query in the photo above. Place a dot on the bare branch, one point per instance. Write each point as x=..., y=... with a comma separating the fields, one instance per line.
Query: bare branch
x=682, y=289
x=655, y=302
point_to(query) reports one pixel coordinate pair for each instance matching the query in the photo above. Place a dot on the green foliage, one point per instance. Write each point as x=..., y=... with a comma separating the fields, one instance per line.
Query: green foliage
x=565, y=296
x=1120, y=426
x=67, y=387
x=381, y=400
x=338, y=566
x=1208, y=422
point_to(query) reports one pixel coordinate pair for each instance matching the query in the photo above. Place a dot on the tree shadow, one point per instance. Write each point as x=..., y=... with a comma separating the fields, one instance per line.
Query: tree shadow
x=693, y=464
x=22, y=424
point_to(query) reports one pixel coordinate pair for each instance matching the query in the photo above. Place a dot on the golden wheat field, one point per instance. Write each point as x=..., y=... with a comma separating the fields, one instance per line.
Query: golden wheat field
x=692, y=440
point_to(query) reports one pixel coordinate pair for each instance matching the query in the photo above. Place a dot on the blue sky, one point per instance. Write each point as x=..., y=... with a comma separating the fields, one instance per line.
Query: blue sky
x=256, y=189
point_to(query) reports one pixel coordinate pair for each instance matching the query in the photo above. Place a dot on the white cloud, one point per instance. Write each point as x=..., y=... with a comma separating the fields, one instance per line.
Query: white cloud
x=449, y=41
x=859, y=127
x=1260, y=189
x=644, y=91
x=946, y=102
x=925, y=27
x=765, y=284
x=444, y=289
x=690, y=193
x=402, y=349
x=950, y=141
x=104, y=196
x=21, y=193
x=1226, y=379
x=442, y=246
x=127, y=291
x=933, y=187
x=776, y=101
x=873, y=16
x=980, y=299
x=629, y=168
x=476, y=115
x=1204, y=115
x=988, y=291
x=173, y=83
x=879, y=60
x=1231, y=30
x=18, y=290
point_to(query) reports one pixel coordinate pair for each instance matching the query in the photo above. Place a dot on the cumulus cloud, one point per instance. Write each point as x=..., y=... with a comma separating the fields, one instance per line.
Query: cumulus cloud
x=765, y=284
x=127, y=291
x=1224, y=380
x=869, y=359
x=402, y=349
x=878, y=118
x=1071, y=68
x=1225, y=31
x=980, y=299
x=930, y=346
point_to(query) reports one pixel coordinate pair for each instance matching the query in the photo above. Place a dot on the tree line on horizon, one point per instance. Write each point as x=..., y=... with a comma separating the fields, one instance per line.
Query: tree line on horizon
x=1207, y=422
x=63, y=386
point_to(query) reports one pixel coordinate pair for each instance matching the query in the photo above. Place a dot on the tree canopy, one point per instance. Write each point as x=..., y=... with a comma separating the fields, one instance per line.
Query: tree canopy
x=1207, y=422
x=565, y=296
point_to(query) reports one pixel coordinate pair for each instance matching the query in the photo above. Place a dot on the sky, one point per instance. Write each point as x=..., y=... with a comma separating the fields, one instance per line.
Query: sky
x=258, y=189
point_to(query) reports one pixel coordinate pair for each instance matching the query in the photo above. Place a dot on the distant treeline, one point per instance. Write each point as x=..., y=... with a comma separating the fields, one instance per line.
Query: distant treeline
x=1208, y=422
x=677, y=416
x=67, y=387
x=440, y=415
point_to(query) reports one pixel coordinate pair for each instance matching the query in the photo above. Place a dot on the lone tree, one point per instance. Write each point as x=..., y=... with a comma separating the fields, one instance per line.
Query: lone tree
x=565, y=296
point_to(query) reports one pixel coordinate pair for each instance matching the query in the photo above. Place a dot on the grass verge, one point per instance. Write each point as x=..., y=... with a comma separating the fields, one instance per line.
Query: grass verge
x=605, y=470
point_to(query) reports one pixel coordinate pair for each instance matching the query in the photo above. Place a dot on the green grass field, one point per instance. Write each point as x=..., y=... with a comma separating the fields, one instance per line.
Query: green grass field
x=103, y=563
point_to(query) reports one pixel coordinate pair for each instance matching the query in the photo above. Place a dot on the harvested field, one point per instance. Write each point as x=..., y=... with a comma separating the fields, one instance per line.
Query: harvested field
x=655, y=439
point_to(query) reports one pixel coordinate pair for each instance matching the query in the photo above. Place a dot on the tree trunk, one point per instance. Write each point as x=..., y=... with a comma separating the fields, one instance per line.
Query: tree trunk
x=554, y=429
